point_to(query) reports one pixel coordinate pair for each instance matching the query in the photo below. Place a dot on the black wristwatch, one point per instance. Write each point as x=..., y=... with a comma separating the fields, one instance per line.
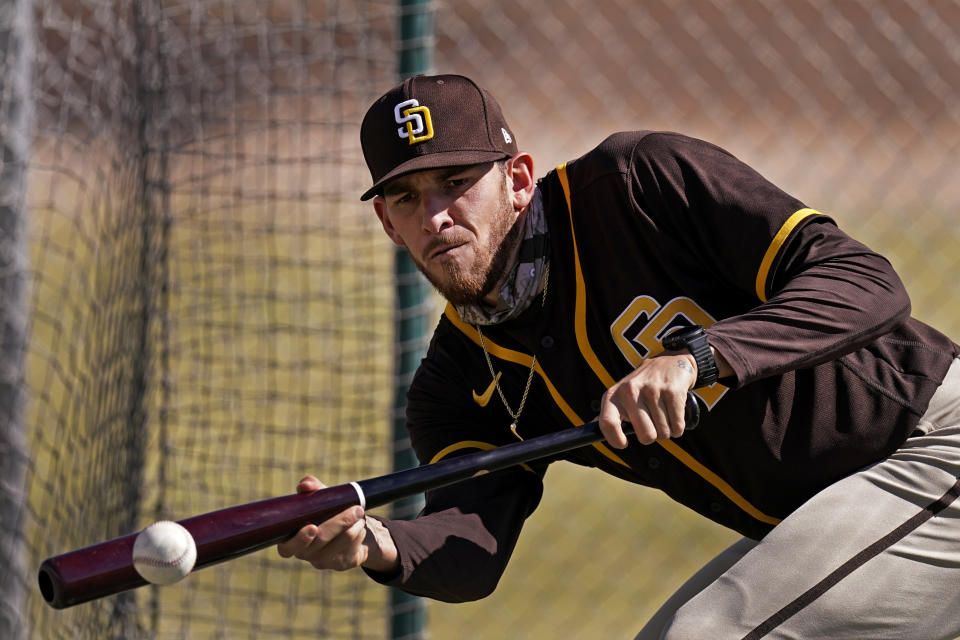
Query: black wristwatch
x=695, y=340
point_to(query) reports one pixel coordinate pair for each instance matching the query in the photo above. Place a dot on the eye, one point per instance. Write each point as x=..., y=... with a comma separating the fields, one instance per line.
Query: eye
x=453, y=184
x=402, y=198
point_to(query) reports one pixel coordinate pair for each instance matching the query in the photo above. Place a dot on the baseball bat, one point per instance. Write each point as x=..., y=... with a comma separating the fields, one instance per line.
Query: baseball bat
x=106, y=568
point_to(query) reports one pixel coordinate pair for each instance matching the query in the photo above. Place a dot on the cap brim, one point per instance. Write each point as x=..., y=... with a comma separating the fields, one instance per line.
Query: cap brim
x=434, y=161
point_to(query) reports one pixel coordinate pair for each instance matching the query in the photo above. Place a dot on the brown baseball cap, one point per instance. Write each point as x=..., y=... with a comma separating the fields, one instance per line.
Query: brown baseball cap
x=429, y=122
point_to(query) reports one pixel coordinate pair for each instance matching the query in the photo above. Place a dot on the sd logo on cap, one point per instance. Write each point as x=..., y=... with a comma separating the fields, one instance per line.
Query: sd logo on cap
x=444, y=121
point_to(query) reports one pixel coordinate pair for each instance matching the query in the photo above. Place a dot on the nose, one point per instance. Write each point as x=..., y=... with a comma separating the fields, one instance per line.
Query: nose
x=436, y=213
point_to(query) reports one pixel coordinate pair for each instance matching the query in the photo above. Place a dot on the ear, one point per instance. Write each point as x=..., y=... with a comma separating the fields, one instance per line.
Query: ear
x=522, y=182
x=380, y=206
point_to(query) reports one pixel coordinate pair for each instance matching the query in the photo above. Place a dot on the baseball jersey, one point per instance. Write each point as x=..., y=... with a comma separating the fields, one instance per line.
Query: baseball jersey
x=648, y=232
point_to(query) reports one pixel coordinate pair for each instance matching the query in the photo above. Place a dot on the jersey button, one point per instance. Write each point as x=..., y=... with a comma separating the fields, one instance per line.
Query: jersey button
x=595, y=406
x=653, y=463
x=716, y=507
x=546, y=342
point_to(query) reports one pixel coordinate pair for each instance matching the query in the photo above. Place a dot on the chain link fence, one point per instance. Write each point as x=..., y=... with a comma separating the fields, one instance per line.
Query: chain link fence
x=852, y=106
x=195, y=303
x=198, y=267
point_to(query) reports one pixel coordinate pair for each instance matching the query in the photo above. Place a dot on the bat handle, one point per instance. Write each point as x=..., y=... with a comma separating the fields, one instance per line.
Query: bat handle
x=691, y=412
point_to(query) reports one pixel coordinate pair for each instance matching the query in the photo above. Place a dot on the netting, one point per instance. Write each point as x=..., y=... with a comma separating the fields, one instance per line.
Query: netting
x=850, y=106
x=209, y=303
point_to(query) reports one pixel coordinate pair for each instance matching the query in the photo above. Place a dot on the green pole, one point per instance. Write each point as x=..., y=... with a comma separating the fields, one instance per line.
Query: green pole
x=407, y=612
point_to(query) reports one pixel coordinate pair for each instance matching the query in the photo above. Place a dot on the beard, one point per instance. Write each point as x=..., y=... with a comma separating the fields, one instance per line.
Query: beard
x=469, y=284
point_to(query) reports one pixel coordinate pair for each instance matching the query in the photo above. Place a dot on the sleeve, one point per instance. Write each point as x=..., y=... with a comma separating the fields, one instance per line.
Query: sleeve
x=457, y=548
x=830, y=296
x=817, y=293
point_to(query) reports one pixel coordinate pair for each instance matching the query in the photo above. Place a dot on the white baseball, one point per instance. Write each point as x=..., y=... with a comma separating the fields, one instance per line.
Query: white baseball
x=164, y=552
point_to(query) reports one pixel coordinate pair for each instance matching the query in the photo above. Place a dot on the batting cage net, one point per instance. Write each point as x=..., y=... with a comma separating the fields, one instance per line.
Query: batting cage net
x=208, y=304
x=197, y=311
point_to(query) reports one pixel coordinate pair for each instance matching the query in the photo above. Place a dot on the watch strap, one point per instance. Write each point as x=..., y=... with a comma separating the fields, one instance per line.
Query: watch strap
x=694, y=339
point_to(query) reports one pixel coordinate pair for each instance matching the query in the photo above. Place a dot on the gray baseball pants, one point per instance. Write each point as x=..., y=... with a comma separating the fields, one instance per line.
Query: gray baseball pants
x=875, y=556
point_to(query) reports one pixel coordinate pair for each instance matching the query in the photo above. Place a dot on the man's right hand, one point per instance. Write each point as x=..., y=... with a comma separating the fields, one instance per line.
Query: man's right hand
x=347, y=540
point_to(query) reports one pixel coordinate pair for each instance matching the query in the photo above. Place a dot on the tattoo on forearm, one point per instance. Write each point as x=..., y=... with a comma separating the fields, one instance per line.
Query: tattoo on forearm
x=683, y=364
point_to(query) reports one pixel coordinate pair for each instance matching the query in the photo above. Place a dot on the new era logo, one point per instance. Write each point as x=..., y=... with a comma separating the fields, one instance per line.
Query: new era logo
x=417, y=125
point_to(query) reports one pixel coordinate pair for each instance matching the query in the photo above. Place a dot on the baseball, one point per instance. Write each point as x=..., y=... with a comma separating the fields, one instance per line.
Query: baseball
x=164, y=553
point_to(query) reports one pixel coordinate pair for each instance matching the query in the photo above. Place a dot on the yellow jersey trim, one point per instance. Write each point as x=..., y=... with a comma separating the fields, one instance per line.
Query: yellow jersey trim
x=580, y=308
x=457, y=446
x=775, y=245
x=719, y=483
x=587, y=351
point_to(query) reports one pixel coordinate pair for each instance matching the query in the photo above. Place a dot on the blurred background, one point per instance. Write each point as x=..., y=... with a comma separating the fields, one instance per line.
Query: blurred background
x=196, y=310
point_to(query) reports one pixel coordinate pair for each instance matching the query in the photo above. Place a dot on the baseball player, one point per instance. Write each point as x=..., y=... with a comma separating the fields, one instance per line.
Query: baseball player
x=654, y=264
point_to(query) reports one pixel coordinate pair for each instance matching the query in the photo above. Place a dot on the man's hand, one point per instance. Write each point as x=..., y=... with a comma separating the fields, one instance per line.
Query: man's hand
x=347, y=540
x=651, y=398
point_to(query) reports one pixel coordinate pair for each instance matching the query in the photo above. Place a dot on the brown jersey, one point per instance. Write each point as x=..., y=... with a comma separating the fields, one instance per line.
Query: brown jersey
x=649, y=232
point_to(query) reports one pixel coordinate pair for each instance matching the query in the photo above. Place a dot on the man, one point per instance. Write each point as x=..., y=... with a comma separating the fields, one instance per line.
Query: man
x=654, y=264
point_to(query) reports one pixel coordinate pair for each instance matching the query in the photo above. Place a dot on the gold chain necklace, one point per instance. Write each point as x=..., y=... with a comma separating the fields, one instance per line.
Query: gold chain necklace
x=533, y=367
